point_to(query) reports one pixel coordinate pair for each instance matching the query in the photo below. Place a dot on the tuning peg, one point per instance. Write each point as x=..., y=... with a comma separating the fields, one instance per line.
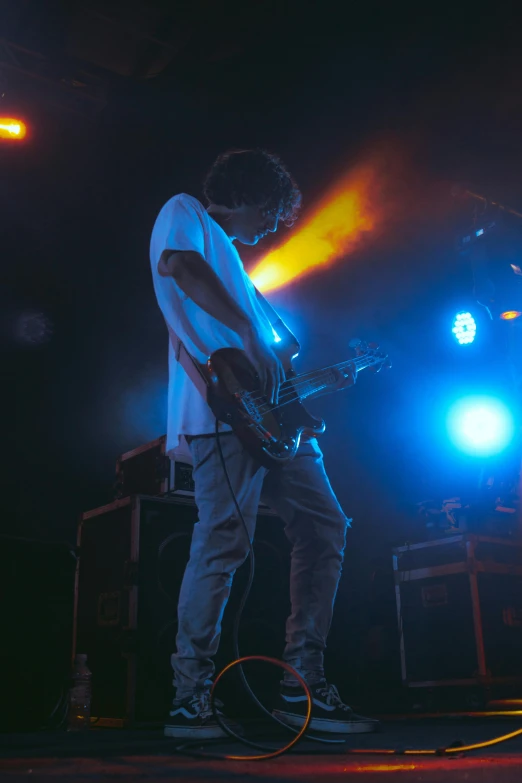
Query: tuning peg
x=359, y=346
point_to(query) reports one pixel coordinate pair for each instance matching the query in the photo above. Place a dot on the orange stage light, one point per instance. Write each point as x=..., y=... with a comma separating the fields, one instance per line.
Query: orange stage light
x=332, y=231
x=510, y=315
x=12, y=129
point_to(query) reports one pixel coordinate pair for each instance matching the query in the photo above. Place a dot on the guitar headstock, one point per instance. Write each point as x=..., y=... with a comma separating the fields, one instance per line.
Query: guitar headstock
x=369, y=354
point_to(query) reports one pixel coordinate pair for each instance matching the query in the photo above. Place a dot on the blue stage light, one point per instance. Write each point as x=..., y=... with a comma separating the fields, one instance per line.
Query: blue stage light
x=481, y=426
x=464, y=328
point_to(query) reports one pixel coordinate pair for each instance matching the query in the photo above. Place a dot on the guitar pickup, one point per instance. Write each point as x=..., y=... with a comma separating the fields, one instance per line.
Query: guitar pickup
x=249, y=406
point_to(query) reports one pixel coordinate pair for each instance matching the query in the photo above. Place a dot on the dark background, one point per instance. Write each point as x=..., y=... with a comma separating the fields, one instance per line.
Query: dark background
x=129, y=103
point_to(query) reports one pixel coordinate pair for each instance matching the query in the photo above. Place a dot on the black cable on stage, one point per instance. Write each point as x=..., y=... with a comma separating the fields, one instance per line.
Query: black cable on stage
x=270, y=752
x=235, y=637
x=273, y=752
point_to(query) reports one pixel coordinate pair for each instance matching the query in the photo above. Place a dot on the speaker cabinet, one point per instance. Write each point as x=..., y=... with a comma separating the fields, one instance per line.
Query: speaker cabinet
x=133, y=554
x=459, y=605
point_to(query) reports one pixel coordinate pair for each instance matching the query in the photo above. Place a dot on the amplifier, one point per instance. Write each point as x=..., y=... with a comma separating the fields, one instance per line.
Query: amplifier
x=148, y=470
x=459, y=607
x=133, y=554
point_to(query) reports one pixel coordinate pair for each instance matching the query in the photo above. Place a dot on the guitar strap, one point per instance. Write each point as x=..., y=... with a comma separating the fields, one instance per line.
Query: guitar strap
x=193, y=368
x=190, y=365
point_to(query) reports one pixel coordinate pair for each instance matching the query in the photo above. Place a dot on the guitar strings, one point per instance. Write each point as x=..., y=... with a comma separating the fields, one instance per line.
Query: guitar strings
x=291, y=386
x=270, y=408
x=305, y=378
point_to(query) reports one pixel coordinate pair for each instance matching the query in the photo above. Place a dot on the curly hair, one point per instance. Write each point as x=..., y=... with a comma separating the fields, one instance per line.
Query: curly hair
x=253, y=177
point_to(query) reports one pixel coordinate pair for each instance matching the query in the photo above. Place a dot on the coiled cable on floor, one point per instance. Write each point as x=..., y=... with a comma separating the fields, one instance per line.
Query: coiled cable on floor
x=270, y=753
x=273, y=752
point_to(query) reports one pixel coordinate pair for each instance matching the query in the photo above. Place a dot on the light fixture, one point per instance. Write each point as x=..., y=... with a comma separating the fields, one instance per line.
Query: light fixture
x=480, y=426
x=510, y=315
x=464, y=328
x=11, y=128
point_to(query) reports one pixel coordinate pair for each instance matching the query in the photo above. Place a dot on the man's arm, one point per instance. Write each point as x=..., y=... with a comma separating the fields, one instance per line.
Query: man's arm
x=201, y=284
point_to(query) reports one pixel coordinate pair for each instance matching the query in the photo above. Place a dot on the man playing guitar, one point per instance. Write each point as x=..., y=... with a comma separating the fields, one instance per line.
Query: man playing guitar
x=209, y=303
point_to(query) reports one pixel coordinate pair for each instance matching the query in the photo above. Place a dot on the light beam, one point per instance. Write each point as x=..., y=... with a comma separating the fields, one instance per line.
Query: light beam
x=11, y=128
x=333, y=230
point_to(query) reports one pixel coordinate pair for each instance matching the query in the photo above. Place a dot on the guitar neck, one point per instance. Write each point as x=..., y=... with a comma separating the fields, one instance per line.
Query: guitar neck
x=310, y=383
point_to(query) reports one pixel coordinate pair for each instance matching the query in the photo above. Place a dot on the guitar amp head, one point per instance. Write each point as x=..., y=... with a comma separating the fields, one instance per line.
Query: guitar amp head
x=149, y=470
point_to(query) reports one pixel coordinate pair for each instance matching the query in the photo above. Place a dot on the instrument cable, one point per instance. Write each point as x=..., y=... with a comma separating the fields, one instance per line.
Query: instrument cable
x=455, y=747
x=238, y=659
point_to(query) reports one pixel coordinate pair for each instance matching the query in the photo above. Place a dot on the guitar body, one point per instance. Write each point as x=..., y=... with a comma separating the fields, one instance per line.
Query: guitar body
x=271, y=434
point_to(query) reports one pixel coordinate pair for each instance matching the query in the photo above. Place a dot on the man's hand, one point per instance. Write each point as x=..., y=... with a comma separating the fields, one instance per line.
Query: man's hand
x=266, y=363
x=346, y=378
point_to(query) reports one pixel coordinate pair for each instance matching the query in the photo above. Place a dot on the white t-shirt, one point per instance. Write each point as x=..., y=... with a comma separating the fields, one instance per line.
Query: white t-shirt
x=184, y=224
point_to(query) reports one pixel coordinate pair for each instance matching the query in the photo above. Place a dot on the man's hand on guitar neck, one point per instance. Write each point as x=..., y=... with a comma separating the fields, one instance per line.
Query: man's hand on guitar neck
x=342, y=380
x=346, y=378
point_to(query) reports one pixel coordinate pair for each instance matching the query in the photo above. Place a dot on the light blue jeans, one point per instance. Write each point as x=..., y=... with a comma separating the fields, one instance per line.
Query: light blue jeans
x=315, y=525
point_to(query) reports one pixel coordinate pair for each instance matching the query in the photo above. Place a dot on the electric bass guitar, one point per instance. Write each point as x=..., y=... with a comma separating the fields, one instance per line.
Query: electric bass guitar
x=271, y=433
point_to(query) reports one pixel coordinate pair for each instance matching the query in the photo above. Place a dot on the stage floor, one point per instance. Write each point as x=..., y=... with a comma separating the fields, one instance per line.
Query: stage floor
x=113, y=754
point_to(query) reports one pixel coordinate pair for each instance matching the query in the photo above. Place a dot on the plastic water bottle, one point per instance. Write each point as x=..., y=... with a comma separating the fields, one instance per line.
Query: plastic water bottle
x=79, y=712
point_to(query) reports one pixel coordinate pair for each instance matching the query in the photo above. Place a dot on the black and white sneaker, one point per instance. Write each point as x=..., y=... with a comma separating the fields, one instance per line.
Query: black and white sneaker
x=192, y=719
x=329, y=713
